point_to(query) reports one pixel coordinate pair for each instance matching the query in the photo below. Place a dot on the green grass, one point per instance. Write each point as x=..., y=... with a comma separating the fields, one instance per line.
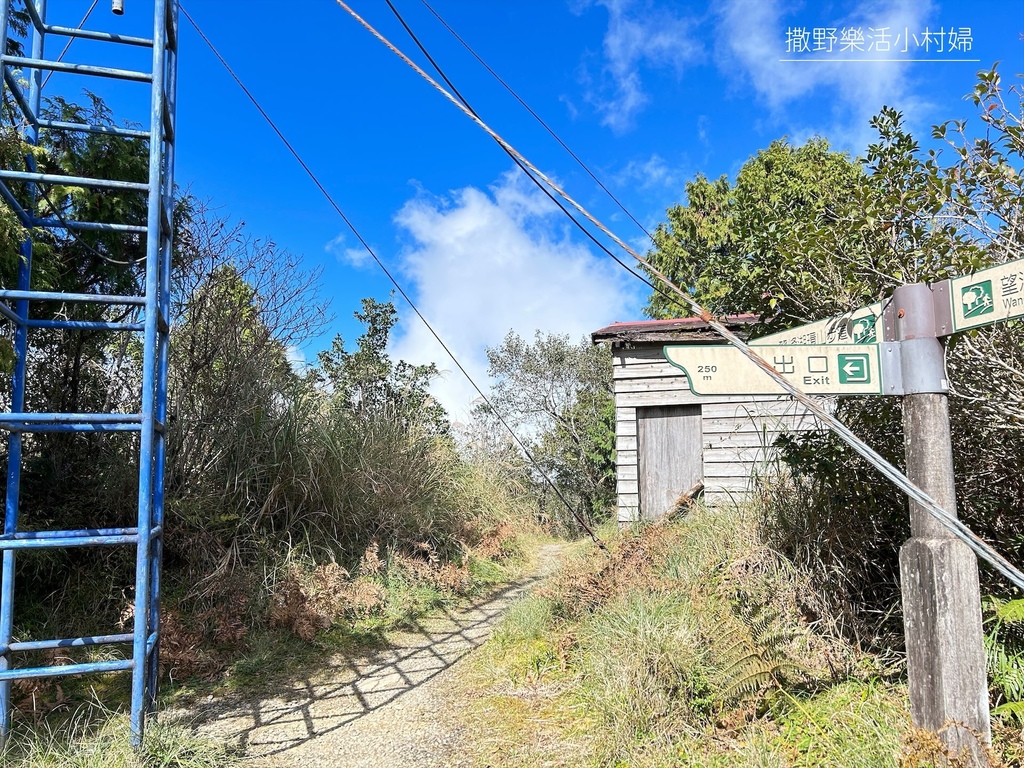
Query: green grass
x=689, y=647
x=93, y=736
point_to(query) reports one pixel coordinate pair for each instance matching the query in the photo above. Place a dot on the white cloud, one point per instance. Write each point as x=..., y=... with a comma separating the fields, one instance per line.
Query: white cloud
x=354, y=257
x=639, y=35
x=484, y=262
x=652, y=173
x=752, y=40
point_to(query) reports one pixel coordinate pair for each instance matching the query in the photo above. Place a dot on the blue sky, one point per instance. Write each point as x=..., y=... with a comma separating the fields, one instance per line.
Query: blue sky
x=649, y=93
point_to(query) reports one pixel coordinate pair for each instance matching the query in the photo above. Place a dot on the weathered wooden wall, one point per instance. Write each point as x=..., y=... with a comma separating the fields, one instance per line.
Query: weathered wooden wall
x=737, y=431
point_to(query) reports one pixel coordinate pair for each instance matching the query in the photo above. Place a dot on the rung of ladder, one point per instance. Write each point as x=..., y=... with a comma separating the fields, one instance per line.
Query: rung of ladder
x=108, y=130
x=86, y=226
x=49, y=428
x=67, y=669
x=71, y=642
x=78, y=69
x=85, y=34
x=31, y=421
x=10, y=422
x=84, y=325
x=97, y=537
x=74, y=181
x=107, y=37
x=99, y=298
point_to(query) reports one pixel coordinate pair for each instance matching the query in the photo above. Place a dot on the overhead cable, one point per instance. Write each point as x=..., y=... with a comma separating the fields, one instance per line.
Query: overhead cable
x=528, y=173
x=982, y=548
x=67, y=46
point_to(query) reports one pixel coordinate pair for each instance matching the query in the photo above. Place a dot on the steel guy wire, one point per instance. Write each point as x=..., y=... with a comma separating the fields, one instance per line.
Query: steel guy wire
x=330, y=199
x=982, y=548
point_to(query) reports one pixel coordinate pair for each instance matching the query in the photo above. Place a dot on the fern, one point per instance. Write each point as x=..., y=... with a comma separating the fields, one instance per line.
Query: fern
x=754, y=652
x=1004, y=651
x=1009, y=611
x=1010, y=709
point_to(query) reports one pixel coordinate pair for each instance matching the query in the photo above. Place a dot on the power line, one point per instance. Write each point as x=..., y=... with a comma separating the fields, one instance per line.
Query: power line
x=540, y=185
x=330, y=199
x=982, y=548
x=536, y=117
x=67, y=47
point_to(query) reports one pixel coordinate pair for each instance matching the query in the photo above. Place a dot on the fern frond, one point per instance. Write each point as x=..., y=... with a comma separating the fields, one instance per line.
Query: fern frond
x=1013, y=710
x=1011, y=612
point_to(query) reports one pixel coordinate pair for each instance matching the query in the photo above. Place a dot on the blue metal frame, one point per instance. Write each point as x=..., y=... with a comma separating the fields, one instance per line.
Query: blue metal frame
x=147, y=535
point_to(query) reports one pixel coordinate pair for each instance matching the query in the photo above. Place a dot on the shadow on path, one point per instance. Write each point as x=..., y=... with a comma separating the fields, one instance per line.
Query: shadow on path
x=346, y=689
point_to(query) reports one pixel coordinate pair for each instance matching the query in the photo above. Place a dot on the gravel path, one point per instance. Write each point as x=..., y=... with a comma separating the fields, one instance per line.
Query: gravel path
x=390, y=708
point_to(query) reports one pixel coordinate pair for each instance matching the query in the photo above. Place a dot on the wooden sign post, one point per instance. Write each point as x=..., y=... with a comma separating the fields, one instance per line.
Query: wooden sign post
x=938, y=572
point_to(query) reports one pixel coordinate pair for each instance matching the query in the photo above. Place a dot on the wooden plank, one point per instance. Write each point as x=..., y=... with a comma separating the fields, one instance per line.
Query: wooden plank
x=624, y=413
x=718, y=484
x=724, y=498
x=645, y=370
x=660, y=383
x=628, y=515
x=625, y=428
x=623, y=487
x=747, y=409
x=740, y=440
x=627, y=357
x=624, y=442
x=626, y=472
x=770, y=425
x=747, y=456
x=653, y=399
x=626, y=457
x=728, y=468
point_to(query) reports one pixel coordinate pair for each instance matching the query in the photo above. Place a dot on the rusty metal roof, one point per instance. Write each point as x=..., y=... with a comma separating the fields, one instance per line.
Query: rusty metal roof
x=676, y=329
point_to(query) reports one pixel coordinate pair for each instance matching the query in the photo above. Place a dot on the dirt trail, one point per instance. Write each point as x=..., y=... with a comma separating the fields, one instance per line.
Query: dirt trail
x=387, y=708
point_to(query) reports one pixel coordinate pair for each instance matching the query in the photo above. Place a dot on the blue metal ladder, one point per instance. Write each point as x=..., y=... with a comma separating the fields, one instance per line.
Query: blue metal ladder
x=154, y=306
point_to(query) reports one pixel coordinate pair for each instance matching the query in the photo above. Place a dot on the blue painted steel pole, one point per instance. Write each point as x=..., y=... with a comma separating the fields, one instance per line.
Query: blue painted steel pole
x=14, y=441
x=166, y=252
x=147, y=475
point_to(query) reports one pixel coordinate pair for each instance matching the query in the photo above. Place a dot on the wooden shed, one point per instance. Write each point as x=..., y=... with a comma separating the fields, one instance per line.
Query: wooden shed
x=668, y=438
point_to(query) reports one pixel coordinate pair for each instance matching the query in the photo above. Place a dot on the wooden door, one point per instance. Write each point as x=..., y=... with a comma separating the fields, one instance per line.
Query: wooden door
x=670, y=457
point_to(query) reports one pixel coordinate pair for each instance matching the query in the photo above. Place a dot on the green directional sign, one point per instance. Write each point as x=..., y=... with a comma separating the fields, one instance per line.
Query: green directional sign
x=861, y=326
x=854, y=369
x=817, y=369
x=988, y=296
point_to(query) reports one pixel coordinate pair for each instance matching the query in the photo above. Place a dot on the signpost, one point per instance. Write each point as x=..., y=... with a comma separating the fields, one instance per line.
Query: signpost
x=895, y=348
x=822, y=369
